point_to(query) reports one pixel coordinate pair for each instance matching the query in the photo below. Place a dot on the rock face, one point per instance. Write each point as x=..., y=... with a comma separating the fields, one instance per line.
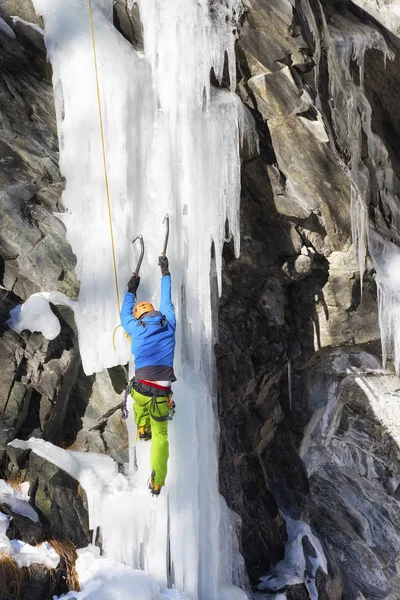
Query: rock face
x=308, y=418
x=292, y=307
x=43, y=390
x=350, y=451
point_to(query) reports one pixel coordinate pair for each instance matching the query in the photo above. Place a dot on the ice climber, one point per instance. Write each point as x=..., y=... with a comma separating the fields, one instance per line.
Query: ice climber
x=153, y=345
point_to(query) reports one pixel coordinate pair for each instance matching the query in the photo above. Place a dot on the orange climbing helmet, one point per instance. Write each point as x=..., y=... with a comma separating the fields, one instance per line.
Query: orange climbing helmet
x=141, y=308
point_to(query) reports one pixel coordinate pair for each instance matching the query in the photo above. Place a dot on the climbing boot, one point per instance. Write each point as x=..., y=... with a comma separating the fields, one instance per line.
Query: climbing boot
x=144, y=433
x=155, y=488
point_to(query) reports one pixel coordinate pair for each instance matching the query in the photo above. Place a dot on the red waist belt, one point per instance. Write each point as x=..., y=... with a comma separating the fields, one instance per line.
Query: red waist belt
x=154, y=385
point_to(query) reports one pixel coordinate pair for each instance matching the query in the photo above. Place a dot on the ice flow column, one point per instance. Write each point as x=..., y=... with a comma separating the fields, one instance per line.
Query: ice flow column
x=172, y=145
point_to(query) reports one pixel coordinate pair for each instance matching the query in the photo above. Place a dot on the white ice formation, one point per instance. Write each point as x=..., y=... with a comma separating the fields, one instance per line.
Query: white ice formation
x=386, y=12
x=347, y=43
x=368, y=163
x=17, y=499
x=172, y=145
x=36, y=315
x=386, y=258
x=138, y=533
x=106, y=579
x=301, y=561
x=23, y=554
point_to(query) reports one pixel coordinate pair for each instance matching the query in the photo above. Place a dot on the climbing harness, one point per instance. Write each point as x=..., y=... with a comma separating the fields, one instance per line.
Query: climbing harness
x=124, y=408
x=153, y=392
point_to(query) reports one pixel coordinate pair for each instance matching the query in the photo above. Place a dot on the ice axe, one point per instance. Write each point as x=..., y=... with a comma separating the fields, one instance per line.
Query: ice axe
x=166, y=221
x=139, y=263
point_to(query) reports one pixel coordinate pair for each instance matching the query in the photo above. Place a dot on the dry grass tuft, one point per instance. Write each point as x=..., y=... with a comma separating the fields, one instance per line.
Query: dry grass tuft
x=74, y=447
x=67, y=552
x=11, y=578
x=16, y=480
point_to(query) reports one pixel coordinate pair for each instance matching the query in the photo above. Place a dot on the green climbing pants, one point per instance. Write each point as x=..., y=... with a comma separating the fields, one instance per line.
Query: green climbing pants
x=144, y=411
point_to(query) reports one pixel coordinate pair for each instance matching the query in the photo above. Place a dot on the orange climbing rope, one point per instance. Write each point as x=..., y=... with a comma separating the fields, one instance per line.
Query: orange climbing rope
x=105, y=164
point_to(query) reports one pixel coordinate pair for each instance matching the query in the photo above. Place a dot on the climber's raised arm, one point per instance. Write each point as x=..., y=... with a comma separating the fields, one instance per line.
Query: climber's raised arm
x=166, y=306
x=128, y=321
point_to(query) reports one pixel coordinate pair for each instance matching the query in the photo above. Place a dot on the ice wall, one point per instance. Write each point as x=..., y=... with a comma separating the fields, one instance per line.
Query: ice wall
x=126, y=101
x=172, y=145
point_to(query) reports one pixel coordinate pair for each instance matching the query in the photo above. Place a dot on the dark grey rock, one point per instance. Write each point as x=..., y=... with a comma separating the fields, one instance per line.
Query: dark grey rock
x=21, y=8
x=127, y=21
x=60, y=502
x=30, y=37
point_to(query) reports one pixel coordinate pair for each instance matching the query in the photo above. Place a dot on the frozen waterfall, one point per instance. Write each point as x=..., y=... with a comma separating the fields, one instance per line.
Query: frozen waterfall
x=172, y=145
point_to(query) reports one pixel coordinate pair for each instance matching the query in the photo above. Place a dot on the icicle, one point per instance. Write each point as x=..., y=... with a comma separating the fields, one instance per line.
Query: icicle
x=386, y=257
x=347, y=42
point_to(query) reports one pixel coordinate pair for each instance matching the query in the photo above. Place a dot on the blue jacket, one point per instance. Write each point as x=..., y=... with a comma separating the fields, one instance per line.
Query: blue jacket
x=153, y=337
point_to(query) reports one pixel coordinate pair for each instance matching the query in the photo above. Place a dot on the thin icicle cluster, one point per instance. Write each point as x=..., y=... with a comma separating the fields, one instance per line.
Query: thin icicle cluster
x=386, y=257
x=23, y=554
x=371, y=174
x=347, y=43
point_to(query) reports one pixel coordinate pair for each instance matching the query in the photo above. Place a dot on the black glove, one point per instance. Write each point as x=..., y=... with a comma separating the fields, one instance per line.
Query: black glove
x=133, y=283
x=163, y=262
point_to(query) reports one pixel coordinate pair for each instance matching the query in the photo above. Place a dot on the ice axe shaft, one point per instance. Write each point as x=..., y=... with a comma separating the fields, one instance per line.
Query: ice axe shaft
x=166, y=221
x=139, y=263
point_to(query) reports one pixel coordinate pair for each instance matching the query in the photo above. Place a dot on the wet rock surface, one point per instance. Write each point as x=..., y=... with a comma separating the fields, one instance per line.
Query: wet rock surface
x=293, y=295
x=308, y=421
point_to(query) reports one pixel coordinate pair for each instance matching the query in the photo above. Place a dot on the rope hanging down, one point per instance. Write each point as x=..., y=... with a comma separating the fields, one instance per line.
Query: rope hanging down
x=104, y=159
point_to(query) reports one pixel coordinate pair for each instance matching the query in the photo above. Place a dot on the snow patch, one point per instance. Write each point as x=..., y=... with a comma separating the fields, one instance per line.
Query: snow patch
x=299, y=565
x=24, y=555
x=31, y=25
x=36, y=314
x=17, y=499
x=106, y=579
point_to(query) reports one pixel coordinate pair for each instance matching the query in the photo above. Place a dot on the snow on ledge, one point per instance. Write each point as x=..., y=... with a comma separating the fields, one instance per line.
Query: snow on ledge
x=24, y=555
x=103, y=578
x=36, y=315
x=32, y=25
x=17, y=499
